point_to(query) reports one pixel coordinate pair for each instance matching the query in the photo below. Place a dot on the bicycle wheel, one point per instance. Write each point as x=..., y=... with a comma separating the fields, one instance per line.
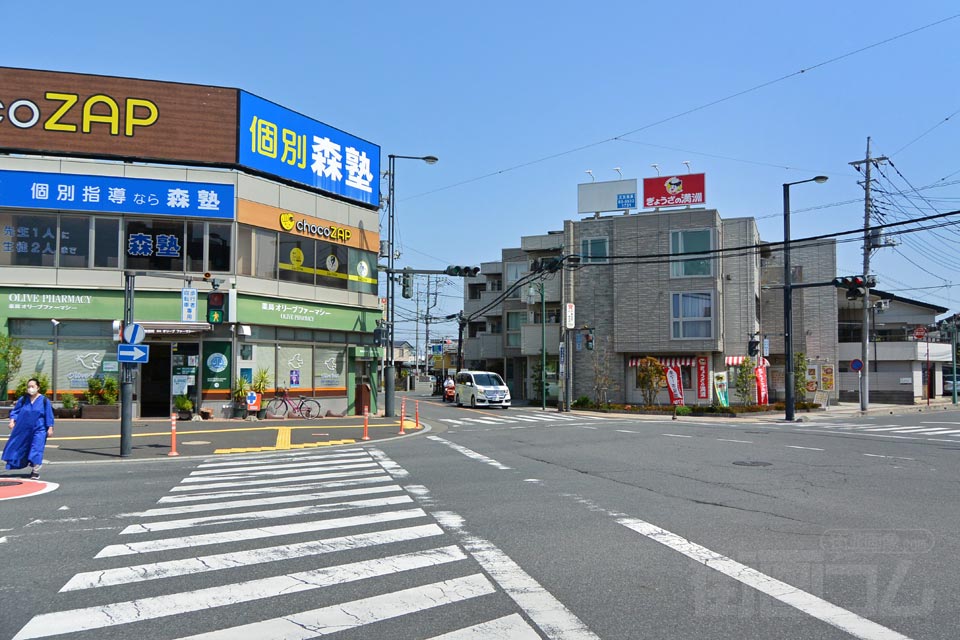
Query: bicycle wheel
x=277, y=407
x=310, y=409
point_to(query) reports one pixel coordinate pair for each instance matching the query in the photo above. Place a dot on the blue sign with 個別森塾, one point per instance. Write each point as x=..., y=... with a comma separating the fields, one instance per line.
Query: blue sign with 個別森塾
x=286, y=144
x=108, y=194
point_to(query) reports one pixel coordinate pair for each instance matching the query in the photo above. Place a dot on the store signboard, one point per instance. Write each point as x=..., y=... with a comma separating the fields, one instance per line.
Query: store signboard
x=108, y=194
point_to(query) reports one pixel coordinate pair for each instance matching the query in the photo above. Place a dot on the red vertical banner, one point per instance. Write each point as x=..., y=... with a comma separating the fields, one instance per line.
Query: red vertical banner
x=703, y=379
x=762, y=395
x=674, y=384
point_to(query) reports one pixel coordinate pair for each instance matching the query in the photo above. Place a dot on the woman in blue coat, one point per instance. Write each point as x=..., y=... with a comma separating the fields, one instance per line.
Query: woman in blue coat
x=31, y=421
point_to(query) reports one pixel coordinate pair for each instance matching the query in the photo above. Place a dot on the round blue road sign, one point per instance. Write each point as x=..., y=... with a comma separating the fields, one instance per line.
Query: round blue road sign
x=856, y=364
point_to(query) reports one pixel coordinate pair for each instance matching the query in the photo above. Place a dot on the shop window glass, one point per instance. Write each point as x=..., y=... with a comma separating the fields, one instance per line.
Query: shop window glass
x=36, y=357
x=332, y=265
x=363, y=277
x=265, y=254
x=80, y=360
x=264, y=357
x=329, y=368
x=28, y=239
x=154, y=245
x=218, y=247
x=295, y=369
x=194, y=252
x=74, y=242
x=244, y=251
x=106, y=243
x=297, y=259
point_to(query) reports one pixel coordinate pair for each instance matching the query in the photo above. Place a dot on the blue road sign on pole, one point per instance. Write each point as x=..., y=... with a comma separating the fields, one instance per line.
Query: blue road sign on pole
x=133, y=333
x=137, y=353
x=856, y=364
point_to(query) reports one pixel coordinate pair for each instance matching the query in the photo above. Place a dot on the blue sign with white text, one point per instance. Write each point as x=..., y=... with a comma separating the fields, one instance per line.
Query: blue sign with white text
x=626, y=201
x=283, y=143
x=106, y=194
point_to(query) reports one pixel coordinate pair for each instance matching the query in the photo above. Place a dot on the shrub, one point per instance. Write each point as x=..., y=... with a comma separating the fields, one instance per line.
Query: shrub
x=583, y=402
x=111, y=391
x=42, y=378
x=183, y=403
x=684, y=411
x=69, y=401
x=94, y=391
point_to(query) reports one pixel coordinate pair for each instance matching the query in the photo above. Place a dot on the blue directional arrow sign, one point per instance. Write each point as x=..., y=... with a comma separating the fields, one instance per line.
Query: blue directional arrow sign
x=138, y=353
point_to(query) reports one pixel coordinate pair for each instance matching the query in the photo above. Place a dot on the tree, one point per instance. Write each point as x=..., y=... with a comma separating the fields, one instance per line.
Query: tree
x=743, y=384
x=800, y=375
x=10, y=361
x=602, y=380
x=650, y=376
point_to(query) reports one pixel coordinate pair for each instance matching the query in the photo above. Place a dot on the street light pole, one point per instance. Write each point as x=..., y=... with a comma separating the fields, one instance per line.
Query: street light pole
x=538, y=286
x=789, y=399
x=389, y=390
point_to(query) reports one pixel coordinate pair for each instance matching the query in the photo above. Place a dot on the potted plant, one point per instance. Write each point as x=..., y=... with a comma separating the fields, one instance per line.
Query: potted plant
x=70, y=407
x=101, y=399
x=261, y=380
x=240, y=388
x=184, y=406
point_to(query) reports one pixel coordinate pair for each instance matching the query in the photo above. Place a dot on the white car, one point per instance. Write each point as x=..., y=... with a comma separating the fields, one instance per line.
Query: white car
x=948, y=386
x=482, y=389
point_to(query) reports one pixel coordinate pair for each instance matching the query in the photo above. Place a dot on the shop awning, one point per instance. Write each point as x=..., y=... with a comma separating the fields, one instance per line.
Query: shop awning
x=683, y=361
x=735, y=361
x=174, y=328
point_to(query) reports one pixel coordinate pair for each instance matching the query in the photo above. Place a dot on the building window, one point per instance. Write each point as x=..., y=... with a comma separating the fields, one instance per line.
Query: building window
x=369, y=259
x=154, y=245
x=28, y=240
x=513, y=271
x=106, y=243
x=593, y=250
x=331, y=265
x=74, y=242
x=515, y=320
x=297, y=259
x=218, y=247
x=265, y=254
x=695, y=241
x=691, y=315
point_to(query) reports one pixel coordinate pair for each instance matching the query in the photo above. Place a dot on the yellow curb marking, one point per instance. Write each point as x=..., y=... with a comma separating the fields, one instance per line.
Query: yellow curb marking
x=292, y=446
x=283, y=438
x=182, y=432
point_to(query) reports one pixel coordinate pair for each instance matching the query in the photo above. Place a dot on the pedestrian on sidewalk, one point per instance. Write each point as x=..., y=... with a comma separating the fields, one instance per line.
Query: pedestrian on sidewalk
x=31, y=422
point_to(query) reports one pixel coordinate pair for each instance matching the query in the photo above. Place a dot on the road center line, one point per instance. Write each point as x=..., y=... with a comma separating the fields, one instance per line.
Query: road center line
x=877, y=455
x=806, y=602
x=741, y=441
x=675, y=435
x=793, y=446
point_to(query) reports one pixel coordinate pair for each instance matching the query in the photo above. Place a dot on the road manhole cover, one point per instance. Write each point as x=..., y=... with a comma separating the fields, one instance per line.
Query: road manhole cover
x=752, y=463
x=9, y=483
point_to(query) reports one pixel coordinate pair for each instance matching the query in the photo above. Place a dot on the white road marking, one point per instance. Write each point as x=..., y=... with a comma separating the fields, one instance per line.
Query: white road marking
x=793, y=446
x=252, y=516
x=259, y=482
x=511, y=627
x=118, y=613
x=807, y=603
x=216, y=562
x=482, y=420
x=451, y=420
x=470, y=453
x=350, y=615
x=258, y=502
x=675, y=435
x=303, y=463
x=954, y=423
x=586, y=427
x=939, y=431
x=307, y=468
x=900, y=429
x=275, y=458
x=876, y=455
x=388, y=465
x=239, y=493
x=740, y=441
x=626, y=431
x=183, y=542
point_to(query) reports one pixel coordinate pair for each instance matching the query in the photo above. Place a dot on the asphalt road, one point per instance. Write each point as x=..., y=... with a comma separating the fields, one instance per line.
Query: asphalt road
x=522, y=523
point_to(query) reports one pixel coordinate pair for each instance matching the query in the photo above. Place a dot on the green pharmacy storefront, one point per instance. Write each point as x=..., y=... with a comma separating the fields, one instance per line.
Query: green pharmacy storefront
x=310, y=349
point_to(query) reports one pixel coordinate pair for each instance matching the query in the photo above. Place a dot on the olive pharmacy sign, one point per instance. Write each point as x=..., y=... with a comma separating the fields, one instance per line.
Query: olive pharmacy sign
x=46, y=301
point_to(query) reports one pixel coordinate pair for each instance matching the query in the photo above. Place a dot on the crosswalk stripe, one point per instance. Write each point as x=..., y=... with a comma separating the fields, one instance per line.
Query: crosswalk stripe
x=897, y=428
x=291, y=455
x=451, y=420
x=119, y=613
x=523, y=419
x=482, y=420
x=257, y=502
x=248, y=516
x=216, y=562
x=302, y=463
x=239, y=493
x=934, y=430
x=307, y=468
x=350, y=615
x=203, y=539
x=247, y=457
x=900, y=429
x=260, y=481
x=947, y=433
x=511, y=627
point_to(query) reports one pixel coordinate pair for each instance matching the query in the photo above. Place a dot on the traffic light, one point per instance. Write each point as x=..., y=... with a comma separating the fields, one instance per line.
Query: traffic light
x=462, y=272
x=589, y=340
x=856, y=286
x=406, y=282
x=216, y=300
x=380, y=336
x=753, y=348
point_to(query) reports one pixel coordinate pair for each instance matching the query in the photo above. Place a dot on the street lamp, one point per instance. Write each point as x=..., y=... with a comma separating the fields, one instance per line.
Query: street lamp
x=789, y=400
x=389, y=391
x=534, y=288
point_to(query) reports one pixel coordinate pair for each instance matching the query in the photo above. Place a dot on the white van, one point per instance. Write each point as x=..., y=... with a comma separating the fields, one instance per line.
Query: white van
x=482, y=389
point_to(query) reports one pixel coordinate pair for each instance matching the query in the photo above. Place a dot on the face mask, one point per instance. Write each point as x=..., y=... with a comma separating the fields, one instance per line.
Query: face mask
x=32, y=391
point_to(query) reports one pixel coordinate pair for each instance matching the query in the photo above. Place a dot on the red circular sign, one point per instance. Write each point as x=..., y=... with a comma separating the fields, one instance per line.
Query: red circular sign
x=919, y=333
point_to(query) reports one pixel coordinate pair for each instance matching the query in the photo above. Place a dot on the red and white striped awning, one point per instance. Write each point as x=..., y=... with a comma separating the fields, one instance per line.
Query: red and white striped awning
x=735, y=361
x=683, y=361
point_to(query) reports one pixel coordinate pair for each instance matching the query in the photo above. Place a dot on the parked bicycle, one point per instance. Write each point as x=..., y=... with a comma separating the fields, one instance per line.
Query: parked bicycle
x=282, y=406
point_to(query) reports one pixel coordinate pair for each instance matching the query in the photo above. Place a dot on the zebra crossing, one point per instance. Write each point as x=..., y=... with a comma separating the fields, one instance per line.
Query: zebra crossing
x=519, y=419
x=336, y=525
x=926, y=429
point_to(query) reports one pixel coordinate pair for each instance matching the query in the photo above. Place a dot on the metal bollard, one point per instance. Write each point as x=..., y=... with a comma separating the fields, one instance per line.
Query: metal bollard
x=173, y=435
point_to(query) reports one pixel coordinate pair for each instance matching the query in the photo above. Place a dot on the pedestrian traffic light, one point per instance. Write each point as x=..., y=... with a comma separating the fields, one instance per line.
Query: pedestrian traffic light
x=753, y=348
x=856, y=286
x=380, y=336
x=589, y=340
x=462, y=272
x=216, y=300
x=406, y=283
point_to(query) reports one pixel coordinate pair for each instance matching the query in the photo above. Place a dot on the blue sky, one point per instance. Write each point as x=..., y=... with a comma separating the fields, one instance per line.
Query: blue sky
x=490, y=86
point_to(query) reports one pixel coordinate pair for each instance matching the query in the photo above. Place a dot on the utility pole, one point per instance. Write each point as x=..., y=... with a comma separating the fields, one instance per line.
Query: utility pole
x=867, y=248
x=416, y=333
